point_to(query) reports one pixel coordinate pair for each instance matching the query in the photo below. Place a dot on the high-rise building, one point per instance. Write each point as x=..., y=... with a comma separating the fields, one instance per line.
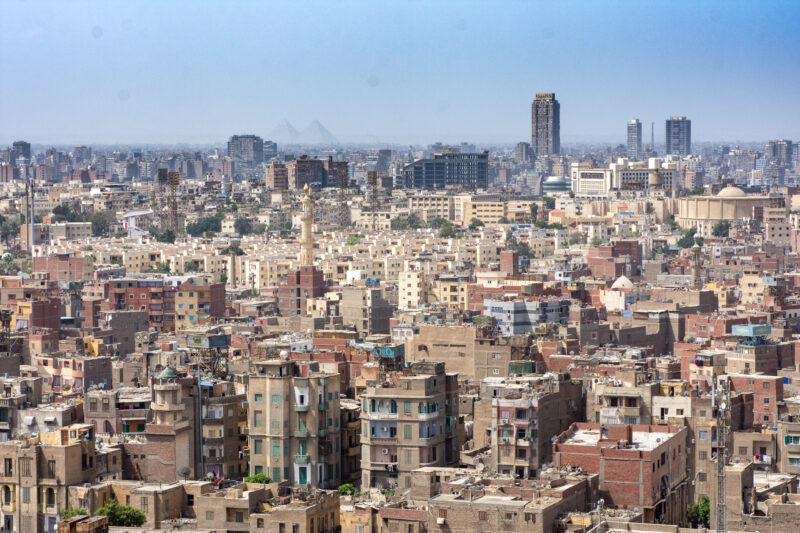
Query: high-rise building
x=781, y=151
x=277, y=176
x=293, y=411
x=466, y=170
x=634, y=151
x=679, y=136
x=246, y=149
x=522, y=153
x=545, y=125
x=270, y=150
x=22, y=149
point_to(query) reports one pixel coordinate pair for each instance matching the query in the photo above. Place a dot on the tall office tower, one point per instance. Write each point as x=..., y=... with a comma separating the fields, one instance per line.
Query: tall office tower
x=679, y=136
x=634, y=140
x=545, y=125
x=522, y=153
x=781, y=151
x=246, y=149
x=21, y=149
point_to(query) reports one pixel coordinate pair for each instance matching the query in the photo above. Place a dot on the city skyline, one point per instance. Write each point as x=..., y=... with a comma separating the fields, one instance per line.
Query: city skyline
x=115, y=85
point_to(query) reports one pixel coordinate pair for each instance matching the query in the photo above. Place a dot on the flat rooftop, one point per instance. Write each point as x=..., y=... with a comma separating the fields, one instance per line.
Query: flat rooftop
x=642, y=440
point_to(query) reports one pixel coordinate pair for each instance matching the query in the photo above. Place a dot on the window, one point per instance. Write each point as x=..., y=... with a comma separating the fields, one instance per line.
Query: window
x=209, y=515
x=794, y=461
x=26, y=495
x=276, y=449
x=259, y=446
x=190, y=500
x=276, y=398
x=742, y=450
x=144, y=503
x=703, y=434
x=482, y=515
x=442, y=513
x=703, y=455
x=51, y=498
x=407, y=431
x=25, y=466
x=766, y=384
x=407, y=408
x=701, y=476
x=51, y=468
x=791, y=439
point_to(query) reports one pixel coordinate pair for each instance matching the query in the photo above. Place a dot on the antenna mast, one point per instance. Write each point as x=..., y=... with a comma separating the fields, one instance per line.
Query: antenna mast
x=722, y=397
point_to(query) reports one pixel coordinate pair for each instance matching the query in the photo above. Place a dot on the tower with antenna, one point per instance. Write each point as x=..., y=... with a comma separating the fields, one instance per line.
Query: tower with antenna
x=652, y=136
x=721, y=402
x=174, y=179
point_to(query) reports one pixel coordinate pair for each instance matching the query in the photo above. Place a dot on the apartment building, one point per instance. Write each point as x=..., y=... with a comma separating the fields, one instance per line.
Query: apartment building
x=294, y=421
x=409, y=421
x=366, y=309
x=521, y=417
x=198, y=301
x=36, y=473
x=224, y=421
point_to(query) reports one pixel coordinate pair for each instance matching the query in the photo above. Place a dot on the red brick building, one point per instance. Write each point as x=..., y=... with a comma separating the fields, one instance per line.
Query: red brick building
x=639, y=466
x=300, y=285
x=767, y=393
x=64, y=267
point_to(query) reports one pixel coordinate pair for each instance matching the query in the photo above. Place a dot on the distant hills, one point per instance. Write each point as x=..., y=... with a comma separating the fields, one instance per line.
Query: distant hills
x=314, y=133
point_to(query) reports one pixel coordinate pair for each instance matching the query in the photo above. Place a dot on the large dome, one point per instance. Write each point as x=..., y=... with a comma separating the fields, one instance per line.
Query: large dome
x=556, y=179
x=731, y=192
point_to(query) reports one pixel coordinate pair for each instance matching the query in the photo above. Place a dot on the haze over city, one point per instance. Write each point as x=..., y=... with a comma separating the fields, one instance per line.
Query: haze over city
x=399, y=72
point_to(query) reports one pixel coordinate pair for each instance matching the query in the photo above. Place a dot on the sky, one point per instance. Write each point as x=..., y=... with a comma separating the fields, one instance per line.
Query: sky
x=198, y=71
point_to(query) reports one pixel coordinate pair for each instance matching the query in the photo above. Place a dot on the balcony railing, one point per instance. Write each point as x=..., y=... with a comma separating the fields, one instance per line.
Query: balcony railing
x=301, y=459
x=301, y=408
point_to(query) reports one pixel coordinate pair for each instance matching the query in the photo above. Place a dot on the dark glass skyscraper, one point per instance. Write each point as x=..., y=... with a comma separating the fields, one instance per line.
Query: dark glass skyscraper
x=545, y=125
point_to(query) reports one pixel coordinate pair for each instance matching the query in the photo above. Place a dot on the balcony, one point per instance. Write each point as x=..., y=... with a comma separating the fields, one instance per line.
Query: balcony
x=383, y=440
x=428, y=416
x=301, y=408
x=301, y=433
x=429, y=440
x=321, y=432
x=301, y=459
x=377, y=415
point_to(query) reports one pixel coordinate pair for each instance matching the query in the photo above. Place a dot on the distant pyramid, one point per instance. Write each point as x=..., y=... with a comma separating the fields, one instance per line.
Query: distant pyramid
x=315, y=133
x=283, y=133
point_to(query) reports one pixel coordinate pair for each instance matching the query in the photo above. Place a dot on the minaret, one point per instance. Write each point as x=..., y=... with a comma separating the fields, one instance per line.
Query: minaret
x=697, y=282
x=306, y=236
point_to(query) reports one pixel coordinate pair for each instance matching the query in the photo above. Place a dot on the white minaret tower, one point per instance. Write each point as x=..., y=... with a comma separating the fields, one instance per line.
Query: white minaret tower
x=306, y=236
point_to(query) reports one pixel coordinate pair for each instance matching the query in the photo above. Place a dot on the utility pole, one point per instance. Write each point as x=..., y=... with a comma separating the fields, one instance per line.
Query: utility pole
x=721, y=399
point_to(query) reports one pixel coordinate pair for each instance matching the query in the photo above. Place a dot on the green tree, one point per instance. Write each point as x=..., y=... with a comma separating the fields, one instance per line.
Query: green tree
x=72, y=511
x=687, y=241
x=191, y=266
x=447, y=232
x=438, y=223
x=721, y=228
x=577, y=237
x=596, y=241
x=161, y=268
x=99, y=224
x=288, y=225
x=258, y=478
x=699, y=514
x=8, y=230
x=166, y=236
x=503, y=220
x=475, y=223
x=534, y=211
x=352, y=240
x=122, y=515
x=243, y=226
x=204, y=225
x=346, y=489
x=549, y=202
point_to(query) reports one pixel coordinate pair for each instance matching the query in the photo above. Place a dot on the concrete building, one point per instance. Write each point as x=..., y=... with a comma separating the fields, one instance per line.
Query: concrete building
x=731, y=203
x=679, y=136
x=634, y=140
x=247, y=149
x=365, y=309
x=224, y=420
x=639, y=466
x=546, y=125
x=409, y=423
x=518, y=316
x=198, y=302
x=294, y=421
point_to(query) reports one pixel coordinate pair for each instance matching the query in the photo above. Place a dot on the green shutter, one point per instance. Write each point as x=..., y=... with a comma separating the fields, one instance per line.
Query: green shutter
x=407, y=431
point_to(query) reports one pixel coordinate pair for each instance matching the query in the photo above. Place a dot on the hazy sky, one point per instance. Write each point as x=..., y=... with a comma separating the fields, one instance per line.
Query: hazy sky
x=401, y=71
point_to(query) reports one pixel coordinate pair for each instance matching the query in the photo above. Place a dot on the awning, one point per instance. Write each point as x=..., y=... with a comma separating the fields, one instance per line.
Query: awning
x=50, y=419
x=29, y=420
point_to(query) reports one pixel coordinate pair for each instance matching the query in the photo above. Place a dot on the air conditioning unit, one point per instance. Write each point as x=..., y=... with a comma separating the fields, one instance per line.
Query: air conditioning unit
x=440, y=521
x=385, y=451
